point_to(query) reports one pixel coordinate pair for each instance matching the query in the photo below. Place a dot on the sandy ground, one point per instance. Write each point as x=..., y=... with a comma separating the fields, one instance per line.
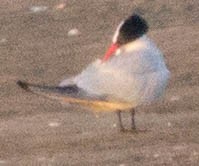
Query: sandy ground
x=36, y=47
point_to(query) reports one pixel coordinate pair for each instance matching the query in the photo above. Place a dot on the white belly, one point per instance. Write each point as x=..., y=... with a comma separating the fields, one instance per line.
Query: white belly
x=119, y=84
x=138, y=75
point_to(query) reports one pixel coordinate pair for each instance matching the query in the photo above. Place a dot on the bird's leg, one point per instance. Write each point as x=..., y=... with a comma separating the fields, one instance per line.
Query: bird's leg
x=120, y=120
x=133, y=127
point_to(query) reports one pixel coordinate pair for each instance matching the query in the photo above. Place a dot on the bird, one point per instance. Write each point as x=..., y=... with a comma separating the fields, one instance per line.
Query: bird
x=132, y=72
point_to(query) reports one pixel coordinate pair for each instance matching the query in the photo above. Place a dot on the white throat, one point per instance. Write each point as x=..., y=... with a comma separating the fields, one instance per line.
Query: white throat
x=135, y=45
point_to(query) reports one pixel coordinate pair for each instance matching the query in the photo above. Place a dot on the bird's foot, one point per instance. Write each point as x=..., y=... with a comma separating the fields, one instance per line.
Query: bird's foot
x=133, y=130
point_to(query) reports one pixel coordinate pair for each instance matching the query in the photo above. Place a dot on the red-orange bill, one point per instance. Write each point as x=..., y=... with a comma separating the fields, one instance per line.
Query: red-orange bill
x=110, y=52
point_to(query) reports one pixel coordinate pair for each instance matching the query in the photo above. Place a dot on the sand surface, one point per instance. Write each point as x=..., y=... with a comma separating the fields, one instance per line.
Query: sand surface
x=35, y=46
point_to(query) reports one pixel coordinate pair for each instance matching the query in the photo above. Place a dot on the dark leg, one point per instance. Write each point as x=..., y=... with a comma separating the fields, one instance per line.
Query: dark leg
x=133, y=127
x=120, y=120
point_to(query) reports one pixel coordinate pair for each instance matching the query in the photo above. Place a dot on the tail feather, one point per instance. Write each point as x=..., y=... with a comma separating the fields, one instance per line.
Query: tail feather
x=23, y=85
x=35, y=88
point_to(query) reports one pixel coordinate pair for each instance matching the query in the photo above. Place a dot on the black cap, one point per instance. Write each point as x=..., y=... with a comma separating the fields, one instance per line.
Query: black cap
x=132, y=28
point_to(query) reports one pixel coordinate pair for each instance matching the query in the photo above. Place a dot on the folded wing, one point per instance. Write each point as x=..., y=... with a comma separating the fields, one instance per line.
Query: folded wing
x=73, y=95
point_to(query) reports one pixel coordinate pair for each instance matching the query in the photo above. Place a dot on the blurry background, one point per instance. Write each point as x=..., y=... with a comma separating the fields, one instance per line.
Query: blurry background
x=37, y=45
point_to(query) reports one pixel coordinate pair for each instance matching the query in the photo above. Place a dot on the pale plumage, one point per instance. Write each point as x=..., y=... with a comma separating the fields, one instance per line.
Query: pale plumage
x=137, y=74
x=131, y=73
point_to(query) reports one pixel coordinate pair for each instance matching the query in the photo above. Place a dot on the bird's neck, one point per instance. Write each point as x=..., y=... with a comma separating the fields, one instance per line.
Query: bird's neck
x=135, y=45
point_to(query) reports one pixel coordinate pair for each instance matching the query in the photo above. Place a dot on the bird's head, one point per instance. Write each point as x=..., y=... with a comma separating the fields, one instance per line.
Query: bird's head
x=127, y=31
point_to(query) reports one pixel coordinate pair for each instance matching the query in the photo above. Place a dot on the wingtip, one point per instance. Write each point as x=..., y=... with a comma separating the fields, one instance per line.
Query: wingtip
x=22, y=84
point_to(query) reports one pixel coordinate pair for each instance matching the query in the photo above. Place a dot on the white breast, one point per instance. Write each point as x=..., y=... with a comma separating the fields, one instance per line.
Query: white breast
x=138, y=74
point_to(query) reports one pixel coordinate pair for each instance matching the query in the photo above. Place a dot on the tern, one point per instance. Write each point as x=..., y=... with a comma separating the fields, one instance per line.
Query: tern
x=131, y=73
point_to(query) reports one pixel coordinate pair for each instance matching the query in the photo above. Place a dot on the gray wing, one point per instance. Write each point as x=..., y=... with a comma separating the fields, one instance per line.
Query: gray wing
x=74, y=95
x=53, y=91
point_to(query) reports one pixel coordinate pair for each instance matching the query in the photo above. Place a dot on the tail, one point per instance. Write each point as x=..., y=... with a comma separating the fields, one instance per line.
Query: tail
x=73, y=95
x=36, y=88
x=23, y=85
